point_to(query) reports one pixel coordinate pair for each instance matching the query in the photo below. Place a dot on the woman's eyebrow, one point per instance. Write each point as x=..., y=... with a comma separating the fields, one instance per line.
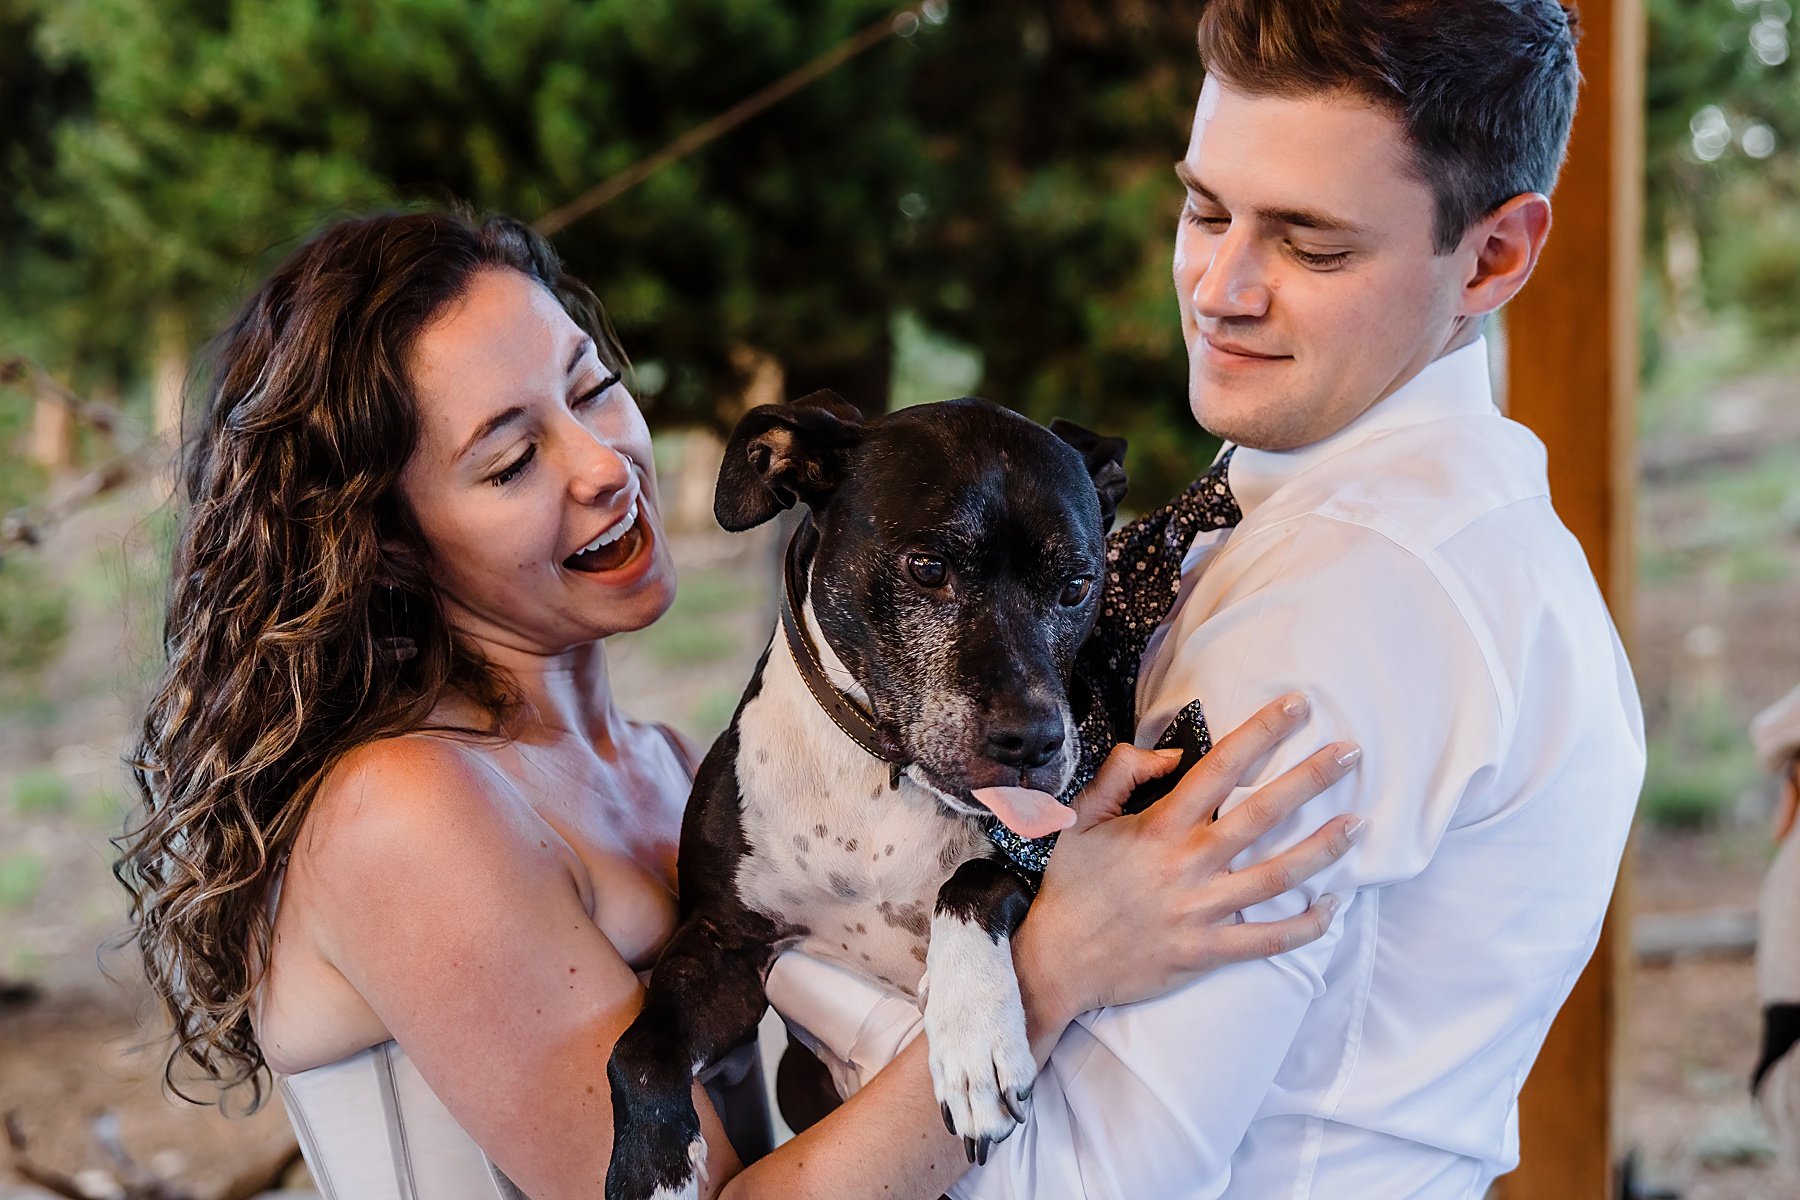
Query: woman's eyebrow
x=1300, y=218
x=507, y=416
x=493, y=424
x=581, y=349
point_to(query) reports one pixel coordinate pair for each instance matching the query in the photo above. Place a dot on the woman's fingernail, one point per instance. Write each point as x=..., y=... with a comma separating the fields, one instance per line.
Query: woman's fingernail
x=1169, y=752
x=1295, y=705
x=1329, y=902
x=1355, y=828
x=1348, y=755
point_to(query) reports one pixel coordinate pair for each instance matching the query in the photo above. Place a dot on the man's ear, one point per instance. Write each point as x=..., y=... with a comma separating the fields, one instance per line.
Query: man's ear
x=1507, y=243
x=1105, y=459
x=782, y=453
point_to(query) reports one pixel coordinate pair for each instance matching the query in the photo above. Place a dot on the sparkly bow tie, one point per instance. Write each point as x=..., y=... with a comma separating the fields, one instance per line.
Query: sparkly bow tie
x=1143, y=578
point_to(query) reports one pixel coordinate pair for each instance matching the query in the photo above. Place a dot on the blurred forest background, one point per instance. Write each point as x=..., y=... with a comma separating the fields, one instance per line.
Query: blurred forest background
x=980, y=202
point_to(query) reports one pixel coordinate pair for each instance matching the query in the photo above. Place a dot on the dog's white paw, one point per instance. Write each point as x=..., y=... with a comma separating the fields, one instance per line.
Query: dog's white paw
x=691, y=1187
x=981, y=1064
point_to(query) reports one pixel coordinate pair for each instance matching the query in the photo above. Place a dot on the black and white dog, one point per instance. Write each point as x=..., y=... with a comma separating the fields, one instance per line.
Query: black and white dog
x=918, y=687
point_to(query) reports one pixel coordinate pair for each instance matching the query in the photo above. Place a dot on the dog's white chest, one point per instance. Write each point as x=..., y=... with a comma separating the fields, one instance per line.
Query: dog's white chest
x=834, y=848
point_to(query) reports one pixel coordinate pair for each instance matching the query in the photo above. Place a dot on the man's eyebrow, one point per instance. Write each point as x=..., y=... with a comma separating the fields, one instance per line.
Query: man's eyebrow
x=581, y=348
x=1191, y=181
x=1310, y=220
x=1297, y=217
x=493, y=424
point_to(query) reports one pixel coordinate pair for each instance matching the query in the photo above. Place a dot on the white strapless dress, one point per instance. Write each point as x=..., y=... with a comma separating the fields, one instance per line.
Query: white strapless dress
x=371, y=1129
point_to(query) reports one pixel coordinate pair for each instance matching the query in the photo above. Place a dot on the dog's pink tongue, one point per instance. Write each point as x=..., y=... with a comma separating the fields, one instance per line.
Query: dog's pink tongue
x=1026, y=811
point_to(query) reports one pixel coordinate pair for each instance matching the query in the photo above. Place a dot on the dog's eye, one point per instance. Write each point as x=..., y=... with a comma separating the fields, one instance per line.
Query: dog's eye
x=1076, y=590
x=927, y=570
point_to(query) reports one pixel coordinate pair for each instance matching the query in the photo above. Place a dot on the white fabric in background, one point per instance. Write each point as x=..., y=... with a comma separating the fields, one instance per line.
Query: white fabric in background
x=1775, y=733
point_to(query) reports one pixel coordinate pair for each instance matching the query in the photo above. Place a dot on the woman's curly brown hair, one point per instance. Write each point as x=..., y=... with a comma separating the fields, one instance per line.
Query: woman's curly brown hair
x=298, y=579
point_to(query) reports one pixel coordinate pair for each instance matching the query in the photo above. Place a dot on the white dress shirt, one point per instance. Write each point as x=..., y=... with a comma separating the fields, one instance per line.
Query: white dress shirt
x=1409, y=575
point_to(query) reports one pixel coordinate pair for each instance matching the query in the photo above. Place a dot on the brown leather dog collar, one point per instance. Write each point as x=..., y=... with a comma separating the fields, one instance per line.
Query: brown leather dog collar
x=849, y=716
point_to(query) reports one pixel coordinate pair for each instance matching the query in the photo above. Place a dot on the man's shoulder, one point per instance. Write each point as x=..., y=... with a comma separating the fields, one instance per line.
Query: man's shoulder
x=1419, y=486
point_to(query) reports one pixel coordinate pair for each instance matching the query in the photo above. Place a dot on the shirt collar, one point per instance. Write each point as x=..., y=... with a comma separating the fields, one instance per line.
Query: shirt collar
x=1455, y=384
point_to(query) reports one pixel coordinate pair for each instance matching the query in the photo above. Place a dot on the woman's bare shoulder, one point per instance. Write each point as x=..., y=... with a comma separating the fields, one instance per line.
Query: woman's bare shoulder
x=409, y=762
x=419, y=804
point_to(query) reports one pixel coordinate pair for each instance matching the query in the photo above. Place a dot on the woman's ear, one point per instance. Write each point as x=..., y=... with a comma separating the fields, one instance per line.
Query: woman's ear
x=783, y=453
x=1105, y=460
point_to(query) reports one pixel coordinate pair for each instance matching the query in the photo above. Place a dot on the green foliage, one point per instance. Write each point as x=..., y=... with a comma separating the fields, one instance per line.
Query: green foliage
x=1698, y=766
x=25, y=962
x=683, y=641
x=1738, y=523
x=41, y=792
x=21, y=481
x=995, y=184
x=21, y=877
x=929, y=366
x=1750, y=566
x=216, y=135
x=1761, y=489
x=712, y=712
x=34, y=615
x=27, y=705
x=700, y=628
x=1760, y=272
x=1722, y=155
x=1045, y=235
x=105, y=806
x=1002, y=177
x=709, y=593
x=1677, y=400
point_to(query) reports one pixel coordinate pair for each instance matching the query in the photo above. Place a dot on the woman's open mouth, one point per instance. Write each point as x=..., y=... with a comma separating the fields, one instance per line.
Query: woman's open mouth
x=613, y=549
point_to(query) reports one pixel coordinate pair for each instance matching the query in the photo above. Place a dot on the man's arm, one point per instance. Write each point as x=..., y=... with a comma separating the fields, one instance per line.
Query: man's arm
x=1154, y=1098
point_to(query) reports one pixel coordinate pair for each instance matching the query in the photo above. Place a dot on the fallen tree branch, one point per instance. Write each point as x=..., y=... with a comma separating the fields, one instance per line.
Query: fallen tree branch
x=254, y=1181
x=30, y=1172
x=108, y=419
x=1662, y=937
x=29, y=526
x=129, y=1180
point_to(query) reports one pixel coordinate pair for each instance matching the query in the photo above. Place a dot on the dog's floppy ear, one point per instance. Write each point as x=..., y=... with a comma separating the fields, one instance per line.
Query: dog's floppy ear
x=782, y=453
x=1105, y=459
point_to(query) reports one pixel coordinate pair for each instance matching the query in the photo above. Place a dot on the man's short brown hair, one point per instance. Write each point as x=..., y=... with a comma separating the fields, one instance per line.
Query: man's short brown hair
x=1484, y=88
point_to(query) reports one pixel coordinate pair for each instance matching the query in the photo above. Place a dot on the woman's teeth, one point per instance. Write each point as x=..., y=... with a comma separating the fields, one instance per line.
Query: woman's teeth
x=612, y=549
x=615, y=533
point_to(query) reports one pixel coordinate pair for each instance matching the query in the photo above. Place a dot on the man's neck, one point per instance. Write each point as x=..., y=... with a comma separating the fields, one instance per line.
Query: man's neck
x=1463, y=332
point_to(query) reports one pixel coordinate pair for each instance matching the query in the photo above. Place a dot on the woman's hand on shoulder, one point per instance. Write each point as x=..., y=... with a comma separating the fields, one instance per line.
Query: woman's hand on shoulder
x=1133, y=906
x=448, y=905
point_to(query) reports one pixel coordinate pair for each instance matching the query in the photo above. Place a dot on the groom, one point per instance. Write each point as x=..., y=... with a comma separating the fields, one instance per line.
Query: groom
x=1366, y=181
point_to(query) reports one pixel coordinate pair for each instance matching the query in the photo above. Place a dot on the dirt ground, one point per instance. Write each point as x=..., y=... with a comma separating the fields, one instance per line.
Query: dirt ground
x=84, y=1046
x=1692, y=1029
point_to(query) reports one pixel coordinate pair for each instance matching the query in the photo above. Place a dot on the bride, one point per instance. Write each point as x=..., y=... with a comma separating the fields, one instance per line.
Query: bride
x=400, y=848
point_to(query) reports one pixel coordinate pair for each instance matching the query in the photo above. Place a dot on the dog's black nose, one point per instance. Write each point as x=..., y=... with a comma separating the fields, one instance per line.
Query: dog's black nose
x=1027, y=744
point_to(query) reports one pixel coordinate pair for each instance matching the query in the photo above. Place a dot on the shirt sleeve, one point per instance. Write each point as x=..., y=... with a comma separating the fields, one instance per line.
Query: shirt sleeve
x=855, y=1025
x=1154, y=1098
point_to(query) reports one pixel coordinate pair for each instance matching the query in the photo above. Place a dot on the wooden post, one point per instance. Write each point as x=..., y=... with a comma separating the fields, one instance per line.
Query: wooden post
x=168, y=375
x=52, y=433
x=1572, y=377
